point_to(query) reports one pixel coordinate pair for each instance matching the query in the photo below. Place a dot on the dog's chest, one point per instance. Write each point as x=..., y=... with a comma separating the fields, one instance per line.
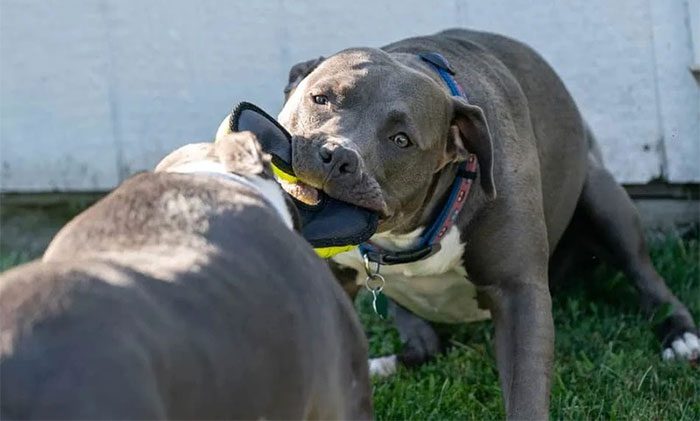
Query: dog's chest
x=436, y=288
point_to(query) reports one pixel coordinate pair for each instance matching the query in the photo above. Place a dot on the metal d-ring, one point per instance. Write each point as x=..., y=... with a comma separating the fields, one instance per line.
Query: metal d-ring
x=374, y=281
x=368, y=269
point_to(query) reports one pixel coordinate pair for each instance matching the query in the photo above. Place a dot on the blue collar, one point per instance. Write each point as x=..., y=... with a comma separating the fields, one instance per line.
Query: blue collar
x=442, y=67
x=429, y=241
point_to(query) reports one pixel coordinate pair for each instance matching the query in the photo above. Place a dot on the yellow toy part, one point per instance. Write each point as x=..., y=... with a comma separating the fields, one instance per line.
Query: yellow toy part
x=283, y=175
x=328, y=252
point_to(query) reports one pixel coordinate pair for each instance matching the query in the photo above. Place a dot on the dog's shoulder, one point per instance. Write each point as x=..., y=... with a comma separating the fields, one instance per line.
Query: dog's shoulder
x=148, y=208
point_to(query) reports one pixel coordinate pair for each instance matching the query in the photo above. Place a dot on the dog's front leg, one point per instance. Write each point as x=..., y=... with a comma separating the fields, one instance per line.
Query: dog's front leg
x=522, y=317
x=507, y=260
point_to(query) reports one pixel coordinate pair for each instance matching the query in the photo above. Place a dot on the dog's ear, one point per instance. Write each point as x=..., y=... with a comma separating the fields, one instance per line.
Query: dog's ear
x=298, y=72
x=469, y=133
x=241, y=153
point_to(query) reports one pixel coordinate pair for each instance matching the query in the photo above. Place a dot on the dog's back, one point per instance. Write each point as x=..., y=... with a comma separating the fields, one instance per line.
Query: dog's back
x=179, y=296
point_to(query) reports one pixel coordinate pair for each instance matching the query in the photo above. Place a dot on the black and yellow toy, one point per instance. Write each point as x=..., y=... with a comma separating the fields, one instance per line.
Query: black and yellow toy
x=329, y=225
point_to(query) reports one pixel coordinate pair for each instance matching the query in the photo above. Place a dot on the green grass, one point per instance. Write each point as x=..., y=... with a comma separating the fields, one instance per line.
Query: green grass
x=607, y=359
x=12, y=258
x=607, y=364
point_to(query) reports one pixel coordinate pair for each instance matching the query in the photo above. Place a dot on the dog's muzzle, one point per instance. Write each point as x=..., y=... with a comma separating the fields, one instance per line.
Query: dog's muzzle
x=330, y=225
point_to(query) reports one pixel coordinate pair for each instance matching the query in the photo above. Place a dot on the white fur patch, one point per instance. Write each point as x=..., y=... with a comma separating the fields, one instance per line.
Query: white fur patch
x=199, y=166
x=449, y=257
x=382, y=366
x=268, y=189
x=436, y=288
x=686, y=347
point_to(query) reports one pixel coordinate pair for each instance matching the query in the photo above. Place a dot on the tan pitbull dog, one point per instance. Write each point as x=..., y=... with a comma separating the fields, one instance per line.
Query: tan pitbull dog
x=183, y=294
x=371, y=123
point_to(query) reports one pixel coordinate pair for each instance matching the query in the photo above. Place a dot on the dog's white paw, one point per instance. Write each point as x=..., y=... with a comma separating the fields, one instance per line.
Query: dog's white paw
x=382, y=366
x=686, y=347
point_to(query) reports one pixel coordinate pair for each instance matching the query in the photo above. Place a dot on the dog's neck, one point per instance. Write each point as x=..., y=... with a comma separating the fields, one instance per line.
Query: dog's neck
x=268, y=190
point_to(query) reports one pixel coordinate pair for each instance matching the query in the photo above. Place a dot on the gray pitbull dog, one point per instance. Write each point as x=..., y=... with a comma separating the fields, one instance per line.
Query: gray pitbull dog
x=168, y=299
x=380, y=128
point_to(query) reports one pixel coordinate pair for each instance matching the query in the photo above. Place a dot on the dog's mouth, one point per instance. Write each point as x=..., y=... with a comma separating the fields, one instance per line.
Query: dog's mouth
x=309, y=195
x=358, y=195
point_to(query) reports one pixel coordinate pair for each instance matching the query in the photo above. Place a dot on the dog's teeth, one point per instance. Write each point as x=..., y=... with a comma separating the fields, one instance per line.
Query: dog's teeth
x=668, y=354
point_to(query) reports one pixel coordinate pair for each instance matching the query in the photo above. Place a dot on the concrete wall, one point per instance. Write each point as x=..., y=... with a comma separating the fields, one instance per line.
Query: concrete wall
x=92, y=91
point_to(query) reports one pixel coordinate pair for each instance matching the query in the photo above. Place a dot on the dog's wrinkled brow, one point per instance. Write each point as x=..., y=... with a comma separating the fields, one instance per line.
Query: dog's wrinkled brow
x=396, y=116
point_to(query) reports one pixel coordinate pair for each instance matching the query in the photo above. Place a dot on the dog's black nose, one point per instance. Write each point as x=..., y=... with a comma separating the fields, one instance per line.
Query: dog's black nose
x=337, y=160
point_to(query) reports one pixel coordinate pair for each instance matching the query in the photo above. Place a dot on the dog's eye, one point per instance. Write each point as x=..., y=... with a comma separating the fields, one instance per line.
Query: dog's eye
x=320, y=99
x=401, y=140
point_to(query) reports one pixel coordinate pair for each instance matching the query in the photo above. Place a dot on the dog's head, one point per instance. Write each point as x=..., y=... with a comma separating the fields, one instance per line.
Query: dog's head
x=371, y=129
x=238, y=153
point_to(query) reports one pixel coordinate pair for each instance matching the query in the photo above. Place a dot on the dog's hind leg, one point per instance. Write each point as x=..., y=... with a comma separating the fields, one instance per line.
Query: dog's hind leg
x=418, y=337
x=420, y=343
x=611, y=218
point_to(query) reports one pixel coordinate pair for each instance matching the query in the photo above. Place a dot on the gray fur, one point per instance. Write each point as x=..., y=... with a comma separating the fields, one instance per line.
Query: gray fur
x=540, y=175
x=181, y=296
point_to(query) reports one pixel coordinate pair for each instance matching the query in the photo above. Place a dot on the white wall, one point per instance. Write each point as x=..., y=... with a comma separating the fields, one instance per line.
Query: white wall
x=92, y=91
